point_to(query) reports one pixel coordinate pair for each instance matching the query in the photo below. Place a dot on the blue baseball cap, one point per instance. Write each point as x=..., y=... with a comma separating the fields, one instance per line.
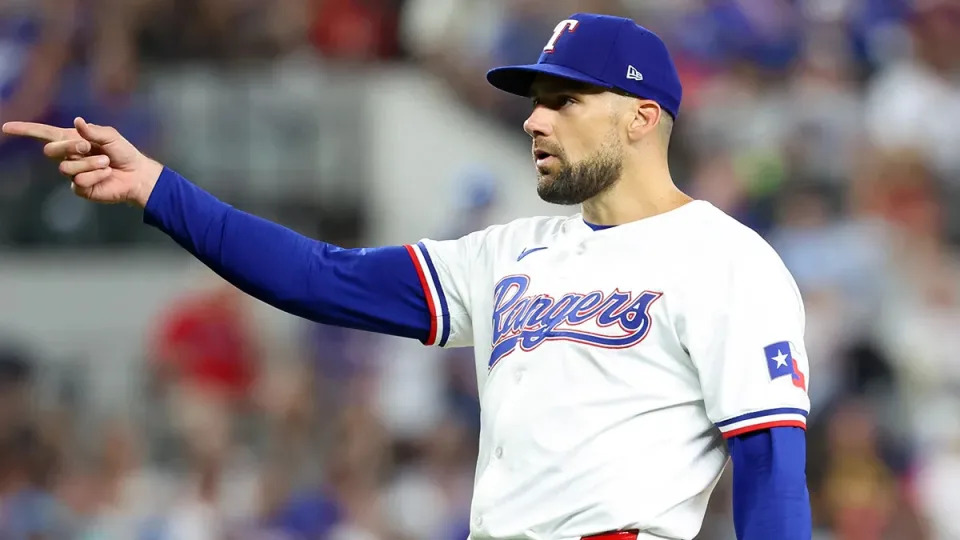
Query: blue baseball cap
x=605, y=51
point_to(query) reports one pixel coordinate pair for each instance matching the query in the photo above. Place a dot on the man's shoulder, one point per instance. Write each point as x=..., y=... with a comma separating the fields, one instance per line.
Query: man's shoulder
x=731, y=260
x=726, y=237
x=507, y=237
x=729, y=246
x=534, y=224
x=521, y=230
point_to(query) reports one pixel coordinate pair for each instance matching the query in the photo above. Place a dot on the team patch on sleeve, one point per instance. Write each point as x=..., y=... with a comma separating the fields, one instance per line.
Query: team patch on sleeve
x=760, y=420
x=436, y=301
x=781, y=362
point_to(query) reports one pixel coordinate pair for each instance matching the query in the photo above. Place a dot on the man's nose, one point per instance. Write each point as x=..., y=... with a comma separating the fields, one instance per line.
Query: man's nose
x=538, y=123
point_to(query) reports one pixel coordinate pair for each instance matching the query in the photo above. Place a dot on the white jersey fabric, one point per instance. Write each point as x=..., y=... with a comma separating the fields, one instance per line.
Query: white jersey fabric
x=612, y=363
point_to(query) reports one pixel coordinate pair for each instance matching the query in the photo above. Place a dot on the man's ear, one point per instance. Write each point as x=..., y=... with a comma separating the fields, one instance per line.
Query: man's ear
x=646, y=117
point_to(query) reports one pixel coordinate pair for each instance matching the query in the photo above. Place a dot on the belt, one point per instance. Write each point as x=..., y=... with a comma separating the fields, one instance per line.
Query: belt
x=614, y=535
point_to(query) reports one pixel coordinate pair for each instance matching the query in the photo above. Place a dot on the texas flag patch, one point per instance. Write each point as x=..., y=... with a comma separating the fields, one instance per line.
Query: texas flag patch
x=782, y=362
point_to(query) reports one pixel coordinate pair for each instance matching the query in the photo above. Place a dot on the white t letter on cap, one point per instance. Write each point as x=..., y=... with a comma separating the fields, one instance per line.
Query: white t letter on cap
x=569, y=24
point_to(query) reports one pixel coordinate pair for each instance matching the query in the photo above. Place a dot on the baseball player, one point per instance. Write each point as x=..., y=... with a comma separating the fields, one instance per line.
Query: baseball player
x=624, y=355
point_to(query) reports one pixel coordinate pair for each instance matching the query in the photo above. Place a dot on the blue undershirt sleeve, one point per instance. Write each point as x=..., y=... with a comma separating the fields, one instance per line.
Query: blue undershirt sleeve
x=770, y=495
x=376, y=289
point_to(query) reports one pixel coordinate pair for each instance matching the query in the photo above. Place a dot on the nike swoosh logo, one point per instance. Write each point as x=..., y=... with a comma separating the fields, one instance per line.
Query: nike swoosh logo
x=529, y=251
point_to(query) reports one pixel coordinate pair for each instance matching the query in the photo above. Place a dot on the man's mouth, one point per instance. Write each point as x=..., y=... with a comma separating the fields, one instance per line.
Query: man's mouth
x=542, y=157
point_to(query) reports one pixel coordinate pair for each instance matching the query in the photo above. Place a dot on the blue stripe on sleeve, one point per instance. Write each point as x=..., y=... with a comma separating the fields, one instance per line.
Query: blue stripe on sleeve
x=758, y=414
x=376, y=290
x=770, y=495
x=444, y=312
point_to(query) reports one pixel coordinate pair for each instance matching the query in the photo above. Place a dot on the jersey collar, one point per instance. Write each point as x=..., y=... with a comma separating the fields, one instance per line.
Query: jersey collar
x=597, y=227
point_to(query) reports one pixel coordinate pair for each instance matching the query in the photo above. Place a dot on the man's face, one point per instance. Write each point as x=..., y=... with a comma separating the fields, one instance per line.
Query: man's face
x=576, y=146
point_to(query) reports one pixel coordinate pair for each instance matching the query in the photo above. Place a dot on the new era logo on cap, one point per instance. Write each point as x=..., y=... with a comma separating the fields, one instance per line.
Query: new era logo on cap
x=605, y=51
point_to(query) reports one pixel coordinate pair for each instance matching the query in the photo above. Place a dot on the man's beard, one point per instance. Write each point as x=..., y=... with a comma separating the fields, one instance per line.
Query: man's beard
x=581, y=181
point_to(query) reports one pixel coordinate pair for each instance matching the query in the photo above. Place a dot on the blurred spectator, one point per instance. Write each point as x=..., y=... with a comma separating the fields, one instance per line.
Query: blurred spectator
x=764, y=34
x=29, y=508
x=35, y=40
x=99, y=75
x=357, y=30
x=17, y=371
x=344, y=361
x=429, y=493
x=116, y=492
x=915, y=100
x=822, y=107
x=62, y=59
x=346, y=503
x=30, y=456
x=223, y=30
x=205, y=343
x=938, y=476
x=35, y=37
x=922, y=291
x=458, y=40
x=858, y=495
x=207, y=360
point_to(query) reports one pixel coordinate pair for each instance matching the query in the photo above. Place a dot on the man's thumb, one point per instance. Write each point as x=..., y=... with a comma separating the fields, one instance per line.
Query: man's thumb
x=101, y=135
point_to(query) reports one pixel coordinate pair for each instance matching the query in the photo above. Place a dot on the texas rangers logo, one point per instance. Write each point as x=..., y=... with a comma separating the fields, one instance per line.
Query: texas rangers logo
x=569, y=25
x=528, y=321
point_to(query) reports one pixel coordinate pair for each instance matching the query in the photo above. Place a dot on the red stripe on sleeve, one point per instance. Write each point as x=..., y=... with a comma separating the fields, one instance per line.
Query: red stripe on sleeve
x=432, y=337
x=767, y=425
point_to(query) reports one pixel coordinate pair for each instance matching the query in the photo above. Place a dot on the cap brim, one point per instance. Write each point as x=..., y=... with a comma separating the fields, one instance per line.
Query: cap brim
x=518, y=79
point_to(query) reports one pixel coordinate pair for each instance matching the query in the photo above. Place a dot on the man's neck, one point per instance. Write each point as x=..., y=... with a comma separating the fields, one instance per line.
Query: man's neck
x=639, y=194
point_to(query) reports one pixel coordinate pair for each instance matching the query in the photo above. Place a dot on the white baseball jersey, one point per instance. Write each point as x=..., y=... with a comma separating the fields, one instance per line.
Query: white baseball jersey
x=612, y=363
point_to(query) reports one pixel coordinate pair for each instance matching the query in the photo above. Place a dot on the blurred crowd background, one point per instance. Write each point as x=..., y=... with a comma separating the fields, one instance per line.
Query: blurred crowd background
x=143, y=398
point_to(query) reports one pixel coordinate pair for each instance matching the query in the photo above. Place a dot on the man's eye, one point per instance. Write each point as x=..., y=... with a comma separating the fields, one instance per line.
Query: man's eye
x=553, y=102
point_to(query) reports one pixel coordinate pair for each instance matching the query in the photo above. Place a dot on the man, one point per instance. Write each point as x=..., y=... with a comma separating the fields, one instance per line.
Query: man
x=623, y=354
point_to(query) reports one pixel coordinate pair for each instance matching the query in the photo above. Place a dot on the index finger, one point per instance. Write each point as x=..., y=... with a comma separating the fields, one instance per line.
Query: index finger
x=33, y=130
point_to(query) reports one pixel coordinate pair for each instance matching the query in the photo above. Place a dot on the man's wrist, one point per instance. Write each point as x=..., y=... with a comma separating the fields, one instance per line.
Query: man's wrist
x=151, y=174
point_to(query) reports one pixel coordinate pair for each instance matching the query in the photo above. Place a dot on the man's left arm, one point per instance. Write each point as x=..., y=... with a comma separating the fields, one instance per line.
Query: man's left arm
x=770, y=496
x=744, y=329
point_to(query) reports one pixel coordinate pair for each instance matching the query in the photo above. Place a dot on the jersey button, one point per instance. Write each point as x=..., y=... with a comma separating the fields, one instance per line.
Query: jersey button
x=499, y=452
x=519, y=375
x=478, y=520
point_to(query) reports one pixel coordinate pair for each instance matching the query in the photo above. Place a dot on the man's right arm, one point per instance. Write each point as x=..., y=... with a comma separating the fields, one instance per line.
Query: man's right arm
x=403, y=290
x=381, y=290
